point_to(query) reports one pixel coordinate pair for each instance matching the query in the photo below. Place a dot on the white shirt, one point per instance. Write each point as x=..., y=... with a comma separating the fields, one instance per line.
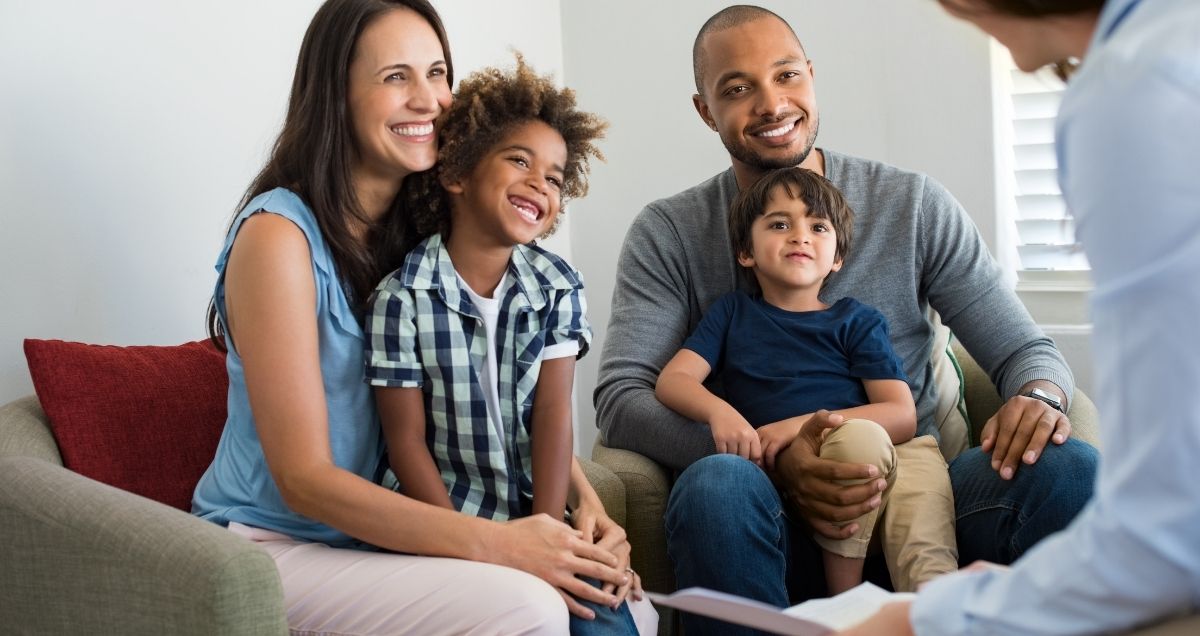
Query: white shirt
x=1129, y=163
x=489, y=375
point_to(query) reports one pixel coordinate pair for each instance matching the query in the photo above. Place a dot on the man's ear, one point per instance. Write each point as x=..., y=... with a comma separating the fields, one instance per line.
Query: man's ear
x=702, y=109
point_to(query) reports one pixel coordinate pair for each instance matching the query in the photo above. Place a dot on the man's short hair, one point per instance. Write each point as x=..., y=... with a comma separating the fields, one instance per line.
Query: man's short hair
x=728, y=18
x=823, y=199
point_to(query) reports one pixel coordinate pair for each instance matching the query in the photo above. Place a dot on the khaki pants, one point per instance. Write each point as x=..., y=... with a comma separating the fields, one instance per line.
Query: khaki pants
x=916, y=519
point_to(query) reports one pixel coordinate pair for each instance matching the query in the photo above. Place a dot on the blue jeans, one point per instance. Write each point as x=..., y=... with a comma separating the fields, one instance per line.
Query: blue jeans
x=727, y=531
x=608, y=620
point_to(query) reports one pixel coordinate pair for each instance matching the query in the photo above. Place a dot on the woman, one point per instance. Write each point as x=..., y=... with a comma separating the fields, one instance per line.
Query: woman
x=295, y=470
x=1128, y=138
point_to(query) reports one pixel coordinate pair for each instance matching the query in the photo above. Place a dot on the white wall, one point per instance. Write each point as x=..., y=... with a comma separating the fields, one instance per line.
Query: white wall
x=130, y=128
x=128, y=131
x=897, y=81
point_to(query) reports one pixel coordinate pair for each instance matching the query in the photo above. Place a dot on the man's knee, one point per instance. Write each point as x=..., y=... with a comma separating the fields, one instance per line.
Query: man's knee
x=718, y=490
x=718, y=477
x=1011, y=516
x=860, y=441
x=1073, y=458
x=1068, y=473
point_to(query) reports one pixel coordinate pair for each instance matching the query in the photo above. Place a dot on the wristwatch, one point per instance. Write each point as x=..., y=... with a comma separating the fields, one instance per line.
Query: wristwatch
x=1047, y=397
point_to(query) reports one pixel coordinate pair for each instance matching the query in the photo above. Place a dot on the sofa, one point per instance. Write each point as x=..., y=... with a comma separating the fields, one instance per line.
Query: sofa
x=648, y=484
x=79, y=555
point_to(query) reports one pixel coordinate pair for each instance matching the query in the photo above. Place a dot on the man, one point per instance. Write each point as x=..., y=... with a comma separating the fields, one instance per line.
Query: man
x=914, y=248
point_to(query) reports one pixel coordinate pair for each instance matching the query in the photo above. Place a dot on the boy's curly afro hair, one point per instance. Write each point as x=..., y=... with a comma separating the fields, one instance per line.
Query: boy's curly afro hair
x=487, y=106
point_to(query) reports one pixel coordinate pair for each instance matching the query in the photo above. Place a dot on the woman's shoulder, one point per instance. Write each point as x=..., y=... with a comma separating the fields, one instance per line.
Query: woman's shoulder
x=286, y=203
x=279, y=219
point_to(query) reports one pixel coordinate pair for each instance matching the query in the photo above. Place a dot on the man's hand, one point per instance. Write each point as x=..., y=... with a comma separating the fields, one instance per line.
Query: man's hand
x=777, y=436
x=810, y=484
x=1019, y=431
x=734, y=435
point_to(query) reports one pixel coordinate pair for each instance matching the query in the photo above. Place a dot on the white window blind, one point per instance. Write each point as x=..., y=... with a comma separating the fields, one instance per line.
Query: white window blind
x=1045, y=235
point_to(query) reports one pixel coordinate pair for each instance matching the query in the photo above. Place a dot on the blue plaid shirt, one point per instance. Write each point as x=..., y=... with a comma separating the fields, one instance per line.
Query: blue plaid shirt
x=424, y=331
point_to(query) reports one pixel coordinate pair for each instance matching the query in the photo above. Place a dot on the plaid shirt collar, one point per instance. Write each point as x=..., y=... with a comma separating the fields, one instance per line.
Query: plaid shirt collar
x=429, y=267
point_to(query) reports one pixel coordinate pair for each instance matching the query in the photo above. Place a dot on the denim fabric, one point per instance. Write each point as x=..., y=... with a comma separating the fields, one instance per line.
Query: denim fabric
x=999, y=520
x=726, y=529
x=608, y=621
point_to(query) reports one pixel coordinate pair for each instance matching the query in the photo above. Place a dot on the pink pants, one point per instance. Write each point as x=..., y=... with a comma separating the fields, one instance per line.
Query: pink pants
x=337, y=591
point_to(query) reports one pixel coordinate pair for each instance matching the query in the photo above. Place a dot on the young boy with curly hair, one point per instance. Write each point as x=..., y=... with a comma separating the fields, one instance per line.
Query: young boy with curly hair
x=782, y=354
x=471, y=344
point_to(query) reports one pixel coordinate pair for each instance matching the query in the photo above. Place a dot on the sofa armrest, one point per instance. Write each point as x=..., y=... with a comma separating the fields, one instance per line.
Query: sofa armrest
x=983, y=401
x=1085, y=419
x=84, y=557
x=25, y=431
x=647, y=486
x=608, y=487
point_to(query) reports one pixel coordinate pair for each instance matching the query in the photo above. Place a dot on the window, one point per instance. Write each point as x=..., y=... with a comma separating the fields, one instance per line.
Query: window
x=1031, y=202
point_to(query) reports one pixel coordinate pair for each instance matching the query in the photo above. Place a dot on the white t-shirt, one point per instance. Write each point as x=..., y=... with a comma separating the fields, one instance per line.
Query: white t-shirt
x=489, y=375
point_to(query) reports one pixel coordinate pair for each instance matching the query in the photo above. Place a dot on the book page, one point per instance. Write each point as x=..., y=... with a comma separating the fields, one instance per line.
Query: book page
x=739, y=610
x=848, y=608
x=818, y=617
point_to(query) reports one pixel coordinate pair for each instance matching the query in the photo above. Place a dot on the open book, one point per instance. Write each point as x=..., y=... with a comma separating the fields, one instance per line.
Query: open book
x=811, y=618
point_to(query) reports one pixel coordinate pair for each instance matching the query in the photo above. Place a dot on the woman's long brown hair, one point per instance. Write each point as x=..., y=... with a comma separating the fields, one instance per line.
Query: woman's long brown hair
x=315, y=150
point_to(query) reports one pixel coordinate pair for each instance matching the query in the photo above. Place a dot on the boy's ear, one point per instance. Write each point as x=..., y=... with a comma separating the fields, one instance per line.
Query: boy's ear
x=745, y=260
x=453, y=187
x=837, y=264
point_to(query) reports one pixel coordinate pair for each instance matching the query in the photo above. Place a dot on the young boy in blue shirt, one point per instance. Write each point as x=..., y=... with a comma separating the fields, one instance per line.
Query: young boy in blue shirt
x=471, y=344
x=782, y=354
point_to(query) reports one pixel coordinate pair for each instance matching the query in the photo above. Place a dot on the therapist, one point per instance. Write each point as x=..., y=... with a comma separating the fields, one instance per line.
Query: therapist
x=1128, y=142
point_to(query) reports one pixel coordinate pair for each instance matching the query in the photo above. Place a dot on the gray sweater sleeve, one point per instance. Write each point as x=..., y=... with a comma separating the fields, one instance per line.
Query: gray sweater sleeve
x=965, y=287
x=650, y=320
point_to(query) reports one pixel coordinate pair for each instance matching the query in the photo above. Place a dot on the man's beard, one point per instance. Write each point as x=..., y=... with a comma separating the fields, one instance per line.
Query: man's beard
x=750, y=157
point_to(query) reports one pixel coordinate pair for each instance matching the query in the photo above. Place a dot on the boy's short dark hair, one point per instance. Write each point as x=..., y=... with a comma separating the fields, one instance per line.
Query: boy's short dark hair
x=823, y=199
x=488, y=105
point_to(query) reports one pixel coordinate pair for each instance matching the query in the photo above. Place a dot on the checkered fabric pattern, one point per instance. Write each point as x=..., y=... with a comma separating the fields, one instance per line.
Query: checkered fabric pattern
x=424, y=331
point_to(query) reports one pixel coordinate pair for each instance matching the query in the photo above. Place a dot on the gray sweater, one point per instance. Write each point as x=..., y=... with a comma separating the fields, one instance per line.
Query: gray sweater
x=913, y=247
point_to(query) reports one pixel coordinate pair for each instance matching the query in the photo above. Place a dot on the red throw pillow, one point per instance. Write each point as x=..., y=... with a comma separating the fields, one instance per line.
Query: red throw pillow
x=143, y=419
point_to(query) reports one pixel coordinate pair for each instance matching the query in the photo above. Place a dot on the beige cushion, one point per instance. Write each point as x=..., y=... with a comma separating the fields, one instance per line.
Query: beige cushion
x=951, y=413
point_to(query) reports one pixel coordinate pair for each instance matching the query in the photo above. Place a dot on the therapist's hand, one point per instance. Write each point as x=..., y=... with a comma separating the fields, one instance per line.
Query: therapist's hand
x=891, y=620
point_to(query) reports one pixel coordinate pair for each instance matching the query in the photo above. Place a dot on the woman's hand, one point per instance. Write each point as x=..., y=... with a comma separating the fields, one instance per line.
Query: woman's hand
x=558, y=554
x=596, y=526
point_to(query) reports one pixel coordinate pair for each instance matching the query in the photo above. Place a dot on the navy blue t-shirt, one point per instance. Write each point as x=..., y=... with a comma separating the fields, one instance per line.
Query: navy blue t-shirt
x=774, y=364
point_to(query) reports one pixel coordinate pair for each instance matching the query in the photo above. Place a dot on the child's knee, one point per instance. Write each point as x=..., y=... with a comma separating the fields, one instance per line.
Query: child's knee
x=860, y=441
